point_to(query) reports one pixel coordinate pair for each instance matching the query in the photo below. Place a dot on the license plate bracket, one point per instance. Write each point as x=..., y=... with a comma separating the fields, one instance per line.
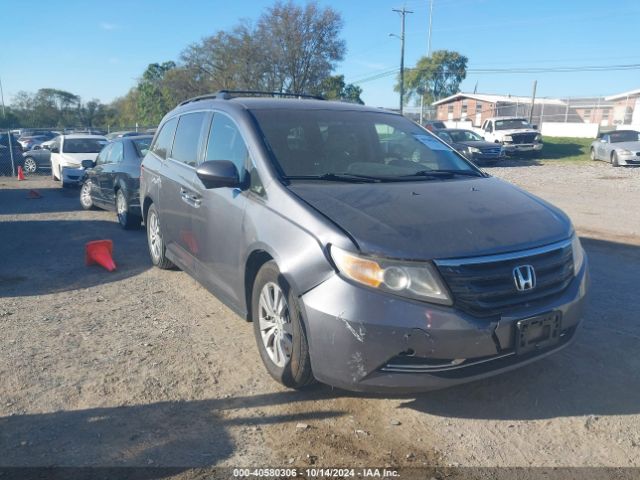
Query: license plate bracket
x=537, y=333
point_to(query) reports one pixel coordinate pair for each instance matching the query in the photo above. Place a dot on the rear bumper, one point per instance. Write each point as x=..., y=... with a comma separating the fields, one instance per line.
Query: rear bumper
x=356, y=335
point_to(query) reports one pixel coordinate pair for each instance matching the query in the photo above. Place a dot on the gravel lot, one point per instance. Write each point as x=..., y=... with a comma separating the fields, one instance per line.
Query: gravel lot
x=143, y=367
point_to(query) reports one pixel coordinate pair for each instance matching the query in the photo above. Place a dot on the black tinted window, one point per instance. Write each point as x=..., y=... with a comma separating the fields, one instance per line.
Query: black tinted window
x=320, y=142
x=162, y=146
x=226, y=143
x=185, y=146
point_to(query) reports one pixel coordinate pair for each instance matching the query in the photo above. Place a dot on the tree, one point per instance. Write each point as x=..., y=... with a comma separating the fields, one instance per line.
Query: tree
x=154, y=101
x=435, y=77
x=290, y=49
x=334, y=88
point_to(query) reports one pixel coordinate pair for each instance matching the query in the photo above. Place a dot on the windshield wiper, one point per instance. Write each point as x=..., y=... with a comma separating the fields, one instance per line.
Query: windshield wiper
x=335, y=177
x=445, y=173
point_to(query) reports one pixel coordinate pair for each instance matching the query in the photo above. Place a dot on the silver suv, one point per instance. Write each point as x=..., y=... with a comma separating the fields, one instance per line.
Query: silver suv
x=368, y=254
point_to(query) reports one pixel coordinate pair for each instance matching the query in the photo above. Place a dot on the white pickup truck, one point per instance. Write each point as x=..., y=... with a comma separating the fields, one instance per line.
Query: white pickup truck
x=515, y=134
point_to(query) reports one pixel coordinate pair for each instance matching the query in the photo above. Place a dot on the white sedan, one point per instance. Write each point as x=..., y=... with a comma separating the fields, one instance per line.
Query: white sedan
x=70, y=150
x=620, y=147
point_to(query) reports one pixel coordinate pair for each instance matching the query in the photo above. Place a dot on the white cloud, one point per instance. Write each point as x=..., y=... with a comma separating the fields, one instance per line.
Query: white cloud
x=109, y=26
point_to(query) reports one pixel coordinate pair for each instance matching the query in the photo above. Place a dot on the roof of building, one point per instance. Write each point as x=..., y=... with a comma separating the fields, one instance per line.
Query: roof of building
x=618, y=96
x=491, y=98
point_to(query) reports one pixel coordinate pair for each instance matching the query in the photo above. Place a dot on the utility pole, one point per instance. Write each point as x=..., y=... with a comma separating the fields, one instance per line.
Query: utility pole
x=428, y=54
x=2, y=97
x=403, y=14
x=533, y=100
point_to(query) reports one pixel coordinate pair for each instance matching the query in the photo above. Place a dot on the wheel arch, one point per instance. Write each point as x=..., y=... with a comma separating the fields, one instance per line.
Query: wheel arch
x=254, y=263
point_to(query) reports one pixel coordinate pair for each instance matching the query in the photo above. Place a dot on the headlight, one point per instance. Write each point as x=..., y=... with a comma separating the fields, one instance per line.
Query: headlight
x=624, y=151
x=538, y=138
x=417, y=280
x=578, y=254
x=473, y=150
x=507, y=138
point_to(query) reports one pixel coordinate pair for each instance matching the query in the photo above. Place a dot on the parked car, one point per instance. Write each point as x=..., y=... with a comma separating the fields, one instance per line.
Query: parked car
x=28, y=143
x=70, y=150
x=112, y=182
x=434, y=125
x=37, y=159
x=131, y=133
x=620, y=147
x=363, y=267
x=6, y=165
x=515, y=134
x=472, y=145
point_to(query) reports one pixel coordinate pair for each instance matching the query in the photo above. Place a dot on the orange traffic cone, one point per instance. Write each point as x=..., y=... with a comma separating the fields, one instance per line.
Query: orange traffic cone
x=20, y=174
x=100, y=251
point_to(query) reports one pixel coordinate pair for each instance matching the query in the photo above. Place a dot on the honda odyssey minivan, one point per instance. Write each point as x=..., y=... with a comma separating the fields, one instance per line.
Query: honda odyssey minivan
x=368, y=254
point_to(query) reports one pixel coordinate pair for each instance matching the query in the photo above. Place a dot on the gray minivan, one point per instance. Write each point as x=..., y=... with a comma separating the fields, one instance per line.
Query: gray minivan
x=368, y=254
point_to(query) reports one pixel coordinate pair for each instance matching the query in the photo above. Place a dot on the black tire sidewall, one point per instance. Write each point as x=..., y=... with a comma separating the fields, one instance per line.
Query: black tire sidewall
x=297, y=372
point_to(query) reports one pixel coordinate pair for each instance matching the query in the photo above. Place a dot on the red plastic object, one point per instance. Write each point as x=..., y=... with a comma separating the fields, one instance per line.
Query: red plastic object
x=34, y=194
x=20, y=174
x=100, y=252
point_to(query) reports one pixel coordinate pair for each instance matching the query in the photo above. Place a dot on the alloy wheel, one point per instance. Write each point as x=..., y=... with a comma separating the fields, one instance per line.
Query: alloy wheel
x=275, y=324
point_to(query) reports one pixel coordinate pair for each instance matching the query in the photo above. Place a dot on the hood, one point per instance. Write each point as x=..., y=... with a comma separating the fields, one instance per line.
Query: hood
x=76, y=158
x=437, y=218
x=633, y=146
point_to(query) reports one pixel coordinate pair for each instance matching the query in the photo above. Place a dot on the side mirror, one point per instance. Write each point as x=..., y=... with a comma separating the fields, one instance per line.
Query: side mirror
x=218, y=173
x=535, y=127
x=36, y=147
x=55, y=150
x=603, y=140
x=87, y=164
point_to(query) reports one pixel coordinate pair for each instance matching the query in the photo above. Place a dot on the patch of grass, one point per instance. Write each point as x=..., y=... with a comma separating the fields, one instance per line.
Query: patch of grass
x=565, y=149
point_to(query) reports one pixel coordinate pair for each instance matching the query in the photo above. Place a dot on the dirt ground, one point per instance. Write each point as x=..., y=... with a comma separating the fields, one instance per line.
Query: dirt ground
x=143, y=367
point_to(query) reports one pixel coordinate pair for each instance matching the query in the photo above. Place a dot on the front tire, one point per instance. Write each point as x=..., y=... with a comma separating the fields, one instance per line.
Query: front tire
x=85, y=196
x=279, y=329
x=126, y=219
x=157, y=249
x=614, y=159
x=592, y=154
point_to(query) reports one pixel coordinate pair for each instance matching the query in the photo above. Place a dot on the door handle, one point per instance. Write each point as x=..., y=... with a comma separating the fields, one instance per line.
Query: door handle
x=190, y=198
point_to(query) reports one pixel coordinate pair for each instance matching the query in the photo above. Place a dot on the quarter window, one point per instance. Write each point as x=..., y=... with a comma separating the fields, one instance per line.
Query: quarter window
x=187, y=142
x=162, y=145
x=103, y=156
x=226, y=143
x=117, y=153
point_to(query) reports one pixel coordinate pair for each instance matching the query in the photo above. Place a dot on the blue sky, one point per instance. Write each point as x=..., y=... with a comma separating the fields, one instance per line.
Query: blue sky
x=99, y=52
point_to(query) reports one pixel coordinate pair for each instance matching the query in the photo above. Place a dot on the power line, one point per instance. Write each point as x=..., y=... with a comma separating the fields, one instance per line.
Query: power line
x=481, y=71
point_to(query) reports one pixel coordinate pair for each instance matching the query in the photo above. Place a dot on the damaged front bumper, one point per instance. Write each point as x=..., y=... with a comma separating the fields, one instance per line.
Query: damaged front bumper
x=364, y=340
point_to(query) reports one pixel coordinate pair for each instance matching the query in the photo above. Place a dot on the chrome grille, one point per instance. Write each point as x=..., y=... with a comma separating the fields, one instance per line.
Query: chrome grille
x=485, y=287
x=523, y=137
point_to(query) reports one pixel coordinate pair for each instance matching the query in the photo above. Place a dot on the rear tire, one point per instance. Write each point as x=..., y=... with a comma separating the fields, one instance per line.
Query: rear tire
x=157, y=249
x=279, y=329
x=126, y=219
x=30, y=166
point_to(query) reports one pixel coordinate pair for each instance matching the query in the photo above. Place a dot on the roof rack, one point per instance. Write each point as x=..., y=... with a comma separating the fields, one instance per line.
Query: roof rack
x=228, y=94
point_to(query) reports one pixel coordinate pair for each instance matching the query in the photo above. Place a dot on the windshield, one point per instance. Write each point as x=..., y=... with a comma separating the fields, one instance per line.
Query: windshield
x=315, y=143
x=142, y=146
x=464, y=136
x=83, y=145
x=512, y=123
x=624, y=136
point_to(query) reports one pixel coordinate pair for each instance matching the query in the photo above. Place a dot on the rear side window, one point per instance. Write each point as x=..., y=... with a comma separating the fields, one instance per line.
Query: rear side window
x=226, y=143
x=117, y=153
x=187, y=141
x=162, y=146
x=103, y=156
